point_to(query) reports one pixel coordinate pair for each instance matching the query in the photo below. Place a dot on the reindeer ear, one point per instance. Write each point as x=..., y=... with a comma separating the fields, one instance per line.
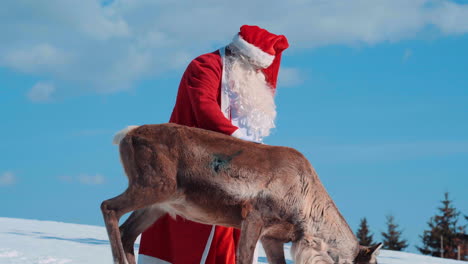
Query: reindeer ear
x=370, y=251
x=367, y=254
x=375, y=249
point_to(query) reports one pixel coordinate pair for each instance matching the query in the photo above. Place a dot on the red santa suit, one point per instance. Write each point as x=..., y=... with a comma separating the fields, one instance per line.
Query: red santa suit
x=203, y=102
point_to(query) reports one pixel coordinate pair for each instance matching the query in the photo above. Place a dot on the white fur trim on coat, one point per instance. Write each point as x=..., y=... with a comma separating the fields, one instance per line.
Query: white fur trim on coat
x=257, y=55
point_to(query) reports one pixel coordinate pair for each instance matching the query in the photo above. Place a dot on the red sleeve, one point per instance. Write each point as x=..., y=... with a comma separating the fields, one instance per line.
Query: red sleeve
x=203, y=81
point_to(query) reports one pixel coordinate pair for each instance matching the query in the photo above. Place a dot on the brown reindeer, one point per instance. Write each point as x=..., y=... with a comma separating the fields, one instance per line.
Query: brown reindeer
x=271, y=193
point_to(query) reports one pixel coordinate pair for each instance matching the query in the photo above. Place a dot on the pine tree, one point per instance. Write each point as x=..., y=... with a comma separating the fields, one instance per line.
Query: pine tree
x=442, y=232
x=363, y=234
x=392, y=238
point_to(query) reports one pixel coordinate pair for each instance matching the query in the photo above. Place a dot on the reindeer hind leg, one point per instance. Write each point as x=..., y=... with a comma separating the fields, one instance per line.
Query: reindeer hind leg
x=112, y=210
x=136, y=223
x=146, y=200
x=152, y=180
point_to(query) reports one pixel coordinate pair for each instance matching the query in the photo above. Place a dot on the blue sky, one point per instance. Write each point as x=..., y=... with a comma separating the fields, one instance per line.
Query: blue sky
x=374, y=93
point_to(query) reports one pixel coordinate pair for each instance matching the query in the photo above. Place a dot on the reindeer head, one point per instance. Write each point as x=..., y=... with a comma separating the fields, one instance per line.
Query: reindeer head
x=368, y=255
x=311, y=250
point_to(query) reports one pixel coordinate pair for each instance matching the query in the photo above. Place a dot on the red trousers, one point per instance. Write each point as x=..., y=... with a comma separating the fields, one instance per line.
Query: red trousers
x=182, y=241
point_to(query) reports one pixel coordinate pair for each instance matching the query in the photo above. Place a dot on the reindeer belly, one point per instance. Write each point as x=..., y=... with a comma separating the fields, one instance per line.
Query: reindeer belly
x=213, y=212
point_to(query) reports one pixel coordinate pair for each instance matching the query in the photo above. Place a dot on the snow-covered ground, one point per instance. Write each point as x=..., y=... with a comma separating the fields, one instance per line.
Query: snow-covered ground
x=45, y=242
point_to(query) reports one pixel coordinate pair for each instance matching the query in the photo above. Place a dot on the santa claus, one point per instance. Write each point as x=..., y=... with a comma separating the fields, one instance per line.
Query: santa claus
x=230, y=91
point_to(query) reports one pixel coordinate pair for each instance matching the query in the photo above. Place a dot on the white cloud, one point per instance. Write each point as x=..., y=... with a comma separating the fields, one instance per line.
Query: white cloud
x=86, y=179
x=66, y=178
x=450, y=18
x=85, y=45
x=407, y=54
x=91, y=179
x=38, y=58
x=41, y=92
x=289, y=77
x=390, y=151
x=7, y=178
x=93, y=132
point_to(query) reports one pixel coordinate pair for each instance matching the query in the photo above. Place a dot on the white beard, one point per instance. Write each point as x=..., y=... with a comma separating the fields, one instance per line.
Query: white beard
x=251, y=98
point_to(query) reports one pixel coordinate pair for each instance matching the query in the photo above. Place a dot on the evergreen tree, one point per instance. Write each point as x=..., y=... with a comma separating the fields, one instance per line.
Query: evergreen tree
x=363, y=234
x=392, y=238
x=442, y=232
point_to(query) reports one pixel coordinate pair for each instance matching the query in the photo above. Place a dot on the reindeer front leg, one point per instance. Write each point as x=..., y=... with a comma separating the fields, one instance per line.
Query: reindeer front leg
x=251, y=229
x=274, y=250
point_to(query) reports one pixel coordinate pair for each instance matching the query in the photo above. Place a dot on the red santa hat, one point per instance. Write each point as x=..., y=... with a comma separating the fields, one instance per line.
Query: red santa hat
x=263, y=48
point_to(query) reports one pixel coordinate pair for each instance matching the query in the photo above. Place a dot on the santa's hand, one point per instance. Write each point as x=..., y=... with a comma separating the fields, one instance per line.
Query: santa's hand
x=241, y=135
x=238, y=134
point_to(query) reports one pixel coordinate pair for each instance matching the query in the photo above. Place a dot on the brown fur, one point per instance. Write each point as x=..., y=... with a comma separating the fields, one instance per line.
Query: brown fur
x=271, y=193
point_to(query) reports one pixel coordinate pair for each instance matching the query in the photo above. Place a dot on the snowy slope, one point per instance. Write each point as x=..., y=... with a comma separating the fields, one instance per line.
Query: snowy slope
x=45, y=242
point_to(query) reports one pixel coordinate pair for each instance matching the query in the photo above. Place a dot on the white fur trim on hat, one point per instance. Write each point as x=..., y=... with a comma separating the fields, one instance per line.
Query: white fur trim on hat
x=257, y=55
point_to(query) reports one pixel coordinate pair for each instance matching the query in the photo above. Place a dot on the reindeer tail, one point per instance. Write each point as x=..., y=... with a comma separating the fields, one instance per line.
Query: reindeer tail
x=121, y=134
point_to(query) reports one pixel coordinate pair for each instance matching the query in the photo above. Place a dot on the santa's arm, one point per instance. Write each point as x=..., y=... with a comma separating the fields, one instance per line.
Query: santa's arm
x=203, y=89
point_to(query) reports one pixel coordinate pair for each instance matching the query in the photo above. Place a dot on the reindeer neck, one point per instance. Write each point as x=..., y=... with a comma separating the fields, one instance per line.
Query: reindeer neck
x=328, y=224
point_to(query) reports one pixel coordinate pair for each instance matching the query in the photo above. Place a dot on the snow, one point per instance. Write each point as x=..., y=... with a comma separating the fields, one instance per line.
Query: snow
x=46, y=242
